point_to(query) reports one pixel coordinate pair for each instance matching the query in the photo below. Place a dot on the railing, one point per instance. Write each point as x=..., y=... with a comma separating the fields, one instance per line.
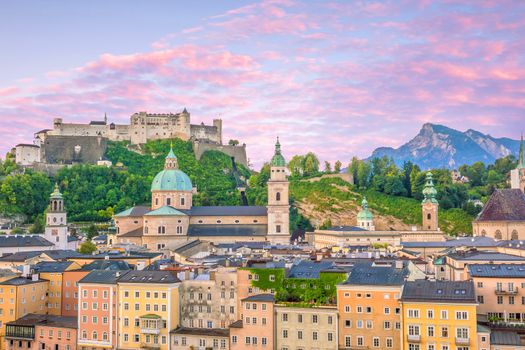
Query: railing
x=507, y=291
x=149, y=346
x=462, y=341
x=414, y=338
x=150, y=330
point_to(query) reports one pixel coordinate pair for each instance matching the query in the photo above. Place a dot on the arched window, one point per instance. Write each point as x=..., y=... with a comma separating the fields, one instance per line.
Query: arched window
x=84, y=335
x=145, y=229
x=95, y=335
x=498, y=235
x=161, y=230
x=278, y=196
x=182, y=201
x=514, y=235
x=429, y=216
x=483, y=233
x=278, y=228
x=168, y=201
x=156, y=201
x=104, y=336
x=179, y=230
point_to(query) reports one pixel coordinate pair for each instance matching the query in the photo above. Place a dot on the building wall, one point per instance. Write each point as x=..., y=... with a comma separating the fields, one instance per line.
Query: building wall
x=97, y=325
x=237, y=152
x=517, y=179
x=59, y=149
x=456, y=270
x=501, y=230
x=173, y=225
x=200, y=341
x=440, y=324
x=306, y=328
x=69, y=304
x=508, y=304
x=55, y=297
x=213, y=220
x=430, y=216
x=51, y=337
x=128, y=223
x=135, y=303
x=178, y=199
x=369, y=312
x=27, y=155
x=263, y=327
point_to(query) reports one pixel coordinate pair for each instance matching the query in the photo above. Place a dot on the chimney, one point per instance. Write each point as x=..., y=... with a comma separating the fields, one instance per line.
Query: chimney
x=34, y=277
x=26, y=270
x=399, y=264
x=117, y=274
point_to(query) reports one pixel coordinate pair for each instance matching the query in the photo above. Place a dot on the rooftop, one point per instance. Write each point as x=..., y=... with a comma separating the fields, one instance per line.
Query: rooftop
x=115, y=265
x=146, y=276
x=497, y=270
x=439, y=291
x=309, y=269
x=20, y=281
x=165, y=211
x=505, y=338
x=368, y=274
x=52, y=266
x=504, y=205
x=134, y=211
x=14, y=241
x=260, y=297
x=102, y=276
x=484, y=256
x=345, y=228
x=227, y=230
x=478, y=241
x=46, y=320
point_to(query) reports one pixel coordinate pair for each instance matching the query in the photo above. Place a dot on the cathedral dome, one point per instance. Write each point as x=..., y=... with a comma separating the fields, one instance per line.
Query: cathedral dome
x=171, y=180
x=365, y=214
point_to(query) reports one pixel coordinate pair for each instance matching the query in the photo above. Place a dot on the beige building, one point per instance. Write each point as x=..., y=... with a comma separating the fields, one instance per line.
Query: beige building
x=172, y=219
x=199, y=338
x=210, y=299
x=255, y=330
x=503, y=216
x=307, y=328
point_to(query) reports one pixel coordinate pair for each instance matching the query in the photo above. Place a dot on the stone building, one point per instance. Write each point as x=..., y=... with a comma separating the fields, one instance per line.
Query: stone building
x=27, y=154
x=503, y=216
x=172, y=218
x=517, y=176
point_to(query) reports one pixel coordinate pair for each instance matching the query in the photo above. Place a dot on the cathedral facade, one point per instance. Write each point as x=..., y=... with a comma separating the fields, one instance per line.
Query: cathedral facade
x=172, y=219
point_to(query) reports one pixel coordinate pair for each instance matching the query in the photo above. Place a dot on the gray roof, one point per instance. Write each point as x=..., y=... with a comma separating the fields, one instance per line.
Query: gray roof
x=504, y=205
x=228, y=211
x=439, y=291
x=515, y=244
x=227, y=230
x=260, y=297
x=483, y=255
x=139, y=210
x=115, y=265
x=505, y=338
x=368, y=274
x=52, y=266
x=72, y=238
x=211, y=332
x=309, y=269
x=478, y=241
x=345, y=228
x=47, y=320
x=19, y=281
x=102, y=276
x=14, y=241
x=62, y=254
x=497, y=270
x=148, y=276
x=20, y=256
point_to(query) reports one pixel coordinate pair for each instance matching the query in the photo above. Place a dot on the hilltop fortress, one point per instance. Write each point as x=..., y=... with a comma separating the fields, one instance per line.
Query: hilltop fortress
x=69, y=143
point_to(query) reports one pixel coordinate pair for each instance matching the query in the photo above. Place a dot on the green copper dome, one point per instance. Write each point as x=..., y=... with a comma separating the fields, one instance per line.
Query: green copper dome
x=56, y=193
x=171, y=178
x=429, y=192
x=278, y=159
x=365, y=214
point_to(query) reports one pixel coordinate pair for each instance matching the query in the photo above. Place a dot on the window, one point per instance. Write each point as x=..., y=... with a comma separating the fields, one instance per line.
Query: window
x=444, y=314
x=360, y=341
x=413, y=313
x=299, y=334
x=330, y=336
x=430, y=314
x=481, y=299
x=430, y=331
x=315, y=319
x=348, y=323
x=264, y=341
x=461, y=315
x=511, y=300
x=314, y=335
x=278, y=228
x=387, y=325
x=375, y=342
x=500, y=299
x=462, y=333
x=330, y=320
x=444, y=332
x=285, y=333
x=234, y=339
x=480, y=284
x=285, y=317
x=389, y=343
x=348, y=341
x=347, y=308
x=387, y=311
x=413, y=330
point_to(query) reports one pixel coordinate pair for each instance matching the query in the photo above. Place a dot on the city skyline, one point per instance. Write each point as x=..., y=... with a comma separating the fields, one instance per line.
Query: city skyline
x=338, y=79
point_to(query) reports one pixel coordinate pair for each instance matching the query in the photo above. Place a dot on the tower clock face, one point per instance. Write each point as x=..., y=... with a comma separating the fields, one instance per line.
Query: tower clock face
x=54, y=232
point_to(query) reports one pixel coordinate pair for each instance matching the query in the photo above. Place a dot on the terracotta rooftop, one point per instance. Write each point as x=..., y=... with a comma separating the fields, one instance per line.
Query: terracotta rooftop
x=504, y=205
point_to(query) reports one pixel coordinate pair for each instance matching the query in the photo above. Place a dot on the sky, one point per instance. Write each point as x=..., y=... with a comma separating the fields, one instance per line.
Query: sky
x=336, y=78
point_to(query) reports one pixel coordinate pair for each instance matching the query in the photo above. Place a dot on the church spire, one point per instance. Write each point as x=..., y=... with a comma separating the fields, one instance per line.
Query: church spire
x=429, y=192
x=278, y=159
x=521, y=156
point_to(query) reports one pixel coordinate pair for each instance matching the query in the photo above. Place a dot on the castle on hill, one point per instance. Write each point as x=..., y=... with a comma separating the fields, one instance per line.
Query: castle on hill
x=69, y=143
x=172, y=218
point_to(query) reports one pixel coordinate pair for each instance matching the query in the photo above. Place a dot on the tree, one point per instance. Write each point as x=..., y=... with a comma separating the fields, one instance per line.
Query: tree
x=337, y=167
x=364, y=171
x=38, y=226
x=87, y=247
x=91, y=231
x=233, y=142
x=311, y=164
x=327, y=167
x=296, y=166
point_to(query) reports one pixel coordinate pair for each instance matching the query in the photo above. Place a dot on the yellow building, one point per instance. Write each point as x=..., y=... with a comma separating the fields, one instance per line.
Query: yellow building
x=20, y=296
x=53, y=272
x=148, y=309
x=439, y=315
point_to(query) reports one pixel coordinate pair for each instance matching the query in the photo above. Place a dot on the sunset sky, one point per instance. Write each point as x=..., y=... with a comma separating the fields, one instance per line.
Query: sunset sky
x=336, y=78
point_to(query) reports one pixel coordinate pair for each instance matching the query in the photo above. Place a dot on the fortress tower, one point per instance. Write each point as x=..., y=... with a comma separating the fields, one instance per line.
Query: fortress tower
x=278, y=205
x=430, y=205
x=517, y=176
x=56, y=221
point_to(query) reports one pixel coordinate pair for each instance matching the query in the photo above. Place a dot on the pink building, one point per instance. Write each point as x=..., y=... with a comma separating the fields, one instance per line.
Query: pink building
x=255, y=330
x=97, y=310
x=42, y=332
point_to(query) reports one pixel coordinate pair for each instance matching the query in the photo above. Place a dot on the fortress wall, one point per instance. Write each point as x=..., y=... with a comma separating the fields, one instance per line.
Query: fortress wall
x=69, y=129
x=60, y=149
x=238, y=152
x=206, y=132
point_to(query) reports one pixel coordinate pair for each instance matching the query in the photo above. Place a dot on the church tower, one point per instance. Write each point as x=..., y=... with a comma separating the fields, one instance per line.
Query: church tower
x=365, y=218
x=278, y=205
x=430, y=205
x=56, y=221
x=517, y=176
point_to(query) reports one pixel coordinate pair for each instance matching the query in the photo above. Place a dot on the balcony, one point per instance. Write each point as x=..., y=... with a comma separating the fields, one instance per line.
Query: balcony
x=415, y=338
x=20, y=332
x=462, y=341
x=502, y=291
x=149, y=331
x=150, y=324
x=149, y=346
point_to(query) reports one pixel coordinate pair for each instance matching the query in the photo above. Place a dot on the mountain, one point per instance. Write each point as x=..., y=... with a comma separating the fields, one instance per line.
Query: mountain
x=437, y=146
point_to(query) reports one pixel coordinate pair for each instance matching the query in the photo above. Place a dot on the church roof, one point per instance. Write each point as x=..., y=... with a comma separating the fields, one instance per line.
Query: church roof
x=165, y=211
x=171, y=180
x=504, y=205
x=278, y=159
x=227, y=230
x=134, y=211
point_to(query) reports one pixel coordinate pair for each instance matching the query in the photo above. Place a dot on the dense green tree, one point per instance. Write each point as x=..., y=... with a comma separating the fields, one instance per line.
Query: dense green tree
x=87, y=247
x=337, y=167
x=327, y=167
x=311, y=164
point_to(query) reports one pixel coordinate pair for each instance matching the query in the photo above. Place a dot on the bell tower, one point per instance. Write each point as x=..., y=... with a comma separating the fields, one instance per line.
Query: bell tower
x=278, y=205
x=430, y=205
x=517, y=176
x=56, y=221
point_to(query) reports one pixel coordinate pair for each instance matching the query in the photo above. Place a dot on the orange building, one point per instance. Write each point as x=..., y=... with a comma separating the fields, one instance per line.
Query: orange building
x=369, y=308
x=97, y=311
x=256, y=329
x=42, y=332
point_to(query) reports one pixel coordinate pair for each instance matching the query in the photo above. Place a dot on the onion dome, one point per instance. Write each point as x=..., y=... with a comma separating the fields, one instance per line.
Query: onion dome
x=429, y=192
x=171, y=178
x=278, y=159
x=365, y=214
x=56, y=193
